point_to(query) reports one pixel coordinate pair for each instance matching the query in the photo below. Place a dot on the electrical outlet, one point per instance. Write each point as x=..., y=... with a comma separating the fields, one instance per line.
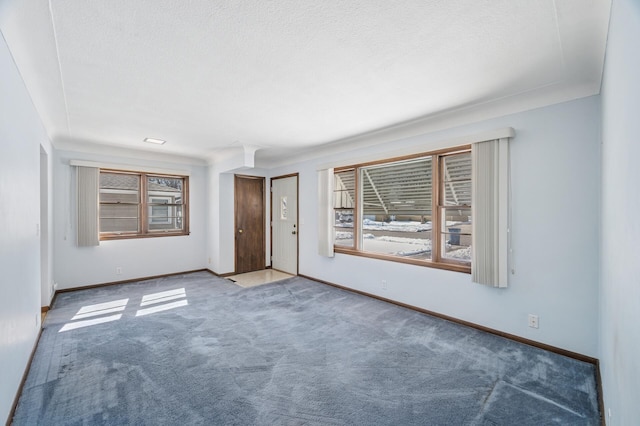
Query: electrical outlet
x=119, y=270
x=533, y=321
x=384, y=284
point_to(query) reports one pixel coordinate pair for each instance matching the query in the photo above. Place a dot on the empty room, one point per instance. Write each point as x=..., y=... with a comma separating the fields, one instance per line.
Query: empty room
x=319, y=213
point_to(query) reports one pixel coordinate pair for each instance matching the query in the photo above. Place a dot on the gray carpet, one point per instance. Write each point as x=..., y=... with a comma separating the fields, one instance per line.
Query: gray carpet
x=294, y=352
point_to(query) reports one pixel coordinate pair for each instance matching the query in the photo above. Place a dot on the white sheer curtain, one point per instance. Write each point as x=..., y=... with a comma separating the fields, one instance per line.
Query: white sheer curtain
x=325, y=213
x=88, y=184
x=490, y=207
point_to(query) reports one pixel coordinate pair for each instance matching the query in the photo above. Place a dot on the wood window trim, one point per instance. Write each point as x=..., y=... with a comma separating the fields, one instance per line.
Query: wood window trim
x=143, y=210
x=437, y=261
x=449, y=265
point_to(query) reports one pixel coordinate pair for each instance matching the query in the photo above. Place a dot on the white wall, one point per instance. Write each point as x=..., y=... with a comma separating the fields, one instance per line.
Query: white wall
x=620, y=285
x=555, y=160
x=21, y=134
x=221, y=209
x=80, y=266
x=220, y=226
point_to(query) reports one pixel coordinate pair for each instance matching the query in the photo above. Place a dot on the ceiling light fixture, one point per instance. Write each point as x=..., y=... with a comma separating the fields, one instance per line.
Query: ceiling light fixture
x=156, y=141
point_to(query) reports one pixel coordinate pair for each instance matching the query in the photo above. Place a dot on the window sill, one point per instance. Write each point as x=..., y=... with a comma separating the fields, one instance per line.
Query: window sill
x=108, y=237
x=457, y=267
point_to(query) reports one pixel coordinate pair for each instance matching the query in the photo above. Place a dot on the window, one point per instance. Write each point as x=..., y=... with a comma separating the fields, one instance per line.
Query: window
x=136, y=205
x=415, y=209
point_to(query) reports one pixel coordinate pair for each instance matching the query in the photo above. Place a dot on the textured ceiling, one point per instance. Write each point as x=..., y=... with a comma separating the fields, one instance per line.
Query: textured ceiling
x=290, y=75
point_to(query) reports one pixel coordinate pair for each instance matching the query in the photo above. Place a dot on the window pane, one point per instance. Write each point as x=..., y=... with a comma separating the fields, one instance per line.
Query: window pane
x=165, y=217
x=344, y=189
x=343, y=228
x=456, y=176
x=165, y=198
x=159, y=213
x=344, y=195
x=119, y=188
x=164, y=190
x=119, y=218
x=284, y=210
x=119, y=198
x=396, y=208
x=456, y=234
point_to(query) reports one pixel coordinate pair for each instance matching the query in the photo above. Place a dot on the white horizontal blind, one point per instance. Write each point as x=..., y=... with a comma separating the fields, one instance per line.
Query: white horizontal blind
x=88, y=184
x=325, y=213
x=490, y=193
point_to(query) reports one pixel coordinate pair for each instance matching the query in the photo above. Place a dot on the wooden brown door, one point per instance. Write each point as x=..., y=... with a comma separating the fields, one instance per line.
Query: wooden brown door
x=249, y=223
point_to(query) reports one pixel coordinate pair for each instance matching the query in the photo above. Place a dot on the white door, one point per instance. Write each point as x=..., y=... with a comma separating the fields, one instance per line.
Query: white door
x=284, y=218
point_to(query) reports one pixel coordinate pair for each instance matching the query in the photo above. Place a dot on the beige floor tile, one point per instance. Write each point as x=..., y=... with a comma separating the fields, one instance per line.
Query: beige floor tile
x=255, y=278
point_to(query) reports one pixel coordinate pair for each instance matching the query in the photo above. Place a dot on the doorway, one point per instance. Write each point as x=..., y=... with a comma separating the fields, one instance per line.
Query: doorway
x=284, y=223
x=249, y=223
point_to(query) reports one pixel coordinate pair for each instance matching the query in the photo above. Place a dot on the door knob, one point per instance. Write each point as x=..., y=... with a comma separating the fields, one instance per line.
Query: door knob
x=240, y=231
x=293, y=232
